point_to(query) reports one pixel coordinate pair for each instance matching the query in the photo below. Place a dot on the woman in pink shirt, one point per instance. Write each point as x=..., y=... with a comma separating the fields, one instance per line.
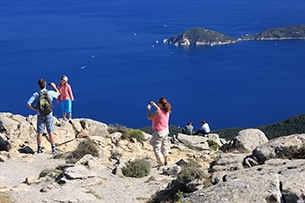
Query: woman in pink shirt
x=66, y=97
x=160, y=119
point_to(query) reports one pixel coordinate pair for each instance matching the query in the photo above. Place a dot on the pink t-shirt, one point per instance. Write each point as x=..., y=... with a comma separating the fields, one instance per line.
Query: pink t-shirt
x=161, y=121
x=65, y=92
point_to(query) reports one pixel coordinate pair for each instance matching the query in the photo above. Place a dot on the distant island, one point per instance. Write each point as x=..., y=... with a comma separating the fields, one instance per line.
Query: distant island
x=201, y=36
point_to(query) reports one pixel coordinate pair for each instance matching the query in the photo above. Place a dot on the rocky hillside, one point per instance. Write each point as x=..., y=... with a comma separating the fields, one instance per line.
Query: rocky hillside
x=249, y=168
x=282, y=33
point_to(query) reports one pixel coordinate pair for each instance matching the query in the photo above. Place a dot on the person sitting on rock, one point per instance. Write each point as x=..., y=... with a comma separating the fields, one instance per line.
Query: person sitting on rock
x=204, y=128
x=188, y=129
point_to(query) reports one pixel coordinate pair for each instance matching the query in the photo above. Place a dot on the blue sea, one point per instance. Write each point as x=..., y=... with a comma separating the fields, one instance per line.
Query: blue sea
x=113, y=54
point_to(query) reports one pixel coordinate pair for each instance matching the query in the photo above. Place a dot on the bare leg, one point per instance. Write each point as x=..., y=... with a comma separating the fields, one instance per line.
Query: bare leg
x=52, y=138
x=165, y=160
x=64, y=116
x=39, y=139
x=52, y=141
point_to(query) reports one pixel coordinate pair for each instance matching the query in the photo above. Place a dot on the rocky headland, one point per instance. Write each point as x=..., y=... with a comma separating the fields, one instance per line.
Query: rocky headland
x=248, y=168
x=201, y=36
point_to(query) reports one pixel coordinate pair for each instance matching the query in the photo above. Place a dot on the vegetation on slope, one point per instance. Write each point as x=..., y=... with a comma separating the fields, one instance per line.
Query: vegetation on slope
x=293, y=125
x=288, y=32
x=201, y=36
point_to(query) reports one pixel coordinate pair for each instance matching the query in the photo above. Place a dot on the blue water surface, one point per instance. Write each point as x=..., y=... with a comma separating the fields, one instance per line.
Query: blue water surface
x=113, y=54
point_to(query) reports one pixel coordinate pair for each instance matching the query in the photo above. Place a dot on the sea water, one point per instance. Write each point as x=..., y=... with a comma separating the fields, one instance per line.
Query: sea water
x=113, y=54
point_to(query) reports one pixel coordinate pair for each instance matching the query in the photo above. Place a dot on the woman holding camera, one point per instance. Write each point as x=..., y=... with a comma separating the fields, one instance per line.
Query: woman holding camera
x=160, y=120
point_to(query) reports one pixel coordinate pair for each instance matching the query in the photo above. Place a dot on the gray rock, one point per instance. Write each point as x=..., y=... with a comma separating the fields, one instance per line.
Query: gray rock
x=274, y=147
x=31, y=180
x=289, y=176
x=174, y=170
x=119, y=166
x=255, y=188
x=4, y=144
x=26, y=150
x=2, y=128
x=78, y=172
x=246, y=141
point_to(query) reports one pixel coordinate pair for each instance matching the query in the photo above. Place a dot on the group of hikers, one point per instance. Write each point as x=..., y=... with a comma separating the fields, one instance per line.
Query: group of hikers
x=41, y=102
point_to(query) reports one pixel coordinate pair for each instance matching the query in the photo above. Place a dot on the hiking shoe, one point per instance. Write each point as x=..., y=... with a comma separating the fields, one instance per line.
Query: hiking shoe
x=54, y=151
x=39, y=151
x=165, y=163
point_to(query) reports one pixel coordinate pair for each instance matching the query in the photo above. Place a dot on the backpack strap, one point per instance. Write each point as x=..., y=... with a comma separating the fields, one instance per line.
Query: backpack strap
x=40, y=92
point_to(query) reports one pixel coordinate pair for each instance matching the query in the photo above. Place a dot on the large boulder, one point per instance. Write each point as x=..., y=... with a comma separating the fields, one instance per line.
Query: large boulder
x=246, y=141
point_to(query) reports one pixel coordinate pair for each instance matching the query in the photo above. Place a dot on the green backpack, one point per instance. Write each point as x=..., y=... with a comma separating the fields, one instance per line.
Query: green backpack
x=45, y=105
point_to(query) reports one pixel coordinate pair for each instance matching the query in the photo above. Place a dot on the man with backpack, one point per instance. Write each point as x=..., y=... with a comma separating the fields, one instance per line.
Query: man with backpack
x=41, y=101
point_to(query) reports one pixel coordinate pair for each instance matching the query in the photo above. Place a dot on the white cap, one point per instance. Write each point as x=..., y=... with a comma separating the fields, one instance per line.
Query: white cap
x=64, y=77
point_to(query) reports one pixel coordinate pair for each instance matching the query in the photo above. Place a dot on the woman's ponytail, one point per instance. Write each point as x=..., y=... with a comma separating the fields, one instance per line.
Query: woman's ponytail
x=165, y=105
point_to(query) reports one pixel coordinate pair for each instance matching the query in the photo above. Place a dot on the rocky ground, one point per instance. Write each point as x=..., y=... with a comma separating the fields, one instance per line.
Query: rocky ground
x=103, y=186
x=249, y=168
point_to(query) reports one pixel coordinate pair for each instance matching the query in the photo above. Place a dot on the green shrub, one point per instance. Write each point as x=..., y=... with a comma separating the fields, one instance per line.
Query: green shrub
x=292, y=152
x=179, y=186
x=137, y=169
x=288, y=152
x=189, y=174
x=191, y=163
x=61, y=167
x=51, y=173
x=302, y=152
x=271, y=156
x=85, y=147
x=135, y=134
x=189, y=145
x=45, y=172
x=175, y=191
x=213, y=145
x=115, y=155
x=179, y=197
x=112, y=128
